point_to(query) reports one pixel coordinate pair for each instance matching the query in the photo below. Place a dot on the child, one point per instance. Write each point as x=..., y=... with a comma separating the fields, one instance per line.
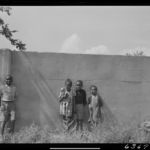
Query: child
x=66, y=103
x=80, y=102
x=8, y=95
x=95, y=104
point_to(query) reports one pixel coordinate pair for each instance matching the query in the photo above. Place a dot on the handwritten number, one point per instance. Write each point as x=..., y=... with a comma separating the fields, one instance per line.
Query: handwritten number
x=139, y=147
x=127, y=146
x=145, y=146
x=133, y=146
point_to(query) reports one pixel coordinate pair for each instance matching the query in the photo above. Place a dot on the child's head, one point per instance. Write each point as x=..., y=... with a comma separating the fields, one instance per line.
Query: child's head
x=68, y=84
x=62, y=90
x=93, y=90
x=8, y=80
x=79, y=84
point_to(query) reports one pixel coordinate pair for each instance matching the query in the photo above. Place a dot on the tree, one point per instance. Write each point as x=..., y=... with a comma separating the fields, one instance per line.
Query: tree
x=5, y=31
x=141, y=53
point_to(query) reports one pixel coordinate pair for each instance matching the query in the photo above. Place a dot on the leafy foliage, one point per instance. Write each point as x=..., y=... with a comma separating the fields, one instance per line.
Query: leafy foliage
x=141, y=53
x=5, y=31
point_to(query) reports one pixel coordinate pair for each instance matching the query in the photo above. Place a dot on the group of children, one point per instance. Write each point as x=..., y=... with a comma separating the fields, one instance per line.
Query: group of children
x=72, y=104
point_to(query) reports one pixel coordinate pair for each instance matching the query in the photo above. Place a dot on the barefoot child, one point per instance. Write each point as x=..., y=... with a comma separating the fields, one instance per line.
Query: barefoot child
x=95, y=104
x=8, y=95
x=66, y=103
x=80, y=102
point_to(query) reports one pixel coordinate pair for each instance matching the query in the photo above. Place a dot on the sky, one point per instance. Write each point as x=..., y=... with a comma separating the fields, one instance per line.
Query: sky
x=109, y=30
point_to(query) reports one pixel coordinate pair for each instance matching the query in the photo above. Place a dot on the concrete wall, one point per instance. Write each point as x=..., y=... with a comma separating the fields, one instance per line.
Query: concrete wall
x=122, y=81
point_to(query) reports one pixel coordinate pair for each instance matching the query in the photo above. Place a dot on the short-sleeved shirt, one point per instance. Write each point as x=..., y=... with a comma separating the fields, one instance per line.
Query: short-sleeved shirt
x=80, y=97
x=8, y=93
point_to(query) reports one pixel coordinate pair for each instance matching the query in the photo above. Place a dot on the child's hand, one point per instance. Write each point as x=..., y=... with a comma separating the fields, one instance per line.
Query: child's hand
x=2, y=108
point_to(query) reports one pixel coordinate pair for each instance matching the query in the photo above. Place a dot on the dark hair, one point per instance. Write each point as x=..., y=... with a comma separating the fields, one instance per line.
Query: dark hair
x=93, y=86
x=81, y=82
x=9, y=77
x=68, y=81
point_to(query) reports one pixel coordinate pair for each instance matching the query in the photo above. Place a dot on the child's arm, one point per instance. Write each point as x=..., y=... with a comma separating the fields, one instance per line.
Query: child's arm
x=0, y=94
x=74, y=104
x=74, y=101
x=89, y=100
x=100, y=101
x=16, y=94
x=84, y=100
x=61, y=98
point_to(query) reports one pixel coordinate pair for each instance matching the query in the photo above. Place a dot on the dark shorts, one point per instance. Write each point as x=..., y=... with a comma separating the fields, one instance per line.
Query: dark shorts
x=7, y=110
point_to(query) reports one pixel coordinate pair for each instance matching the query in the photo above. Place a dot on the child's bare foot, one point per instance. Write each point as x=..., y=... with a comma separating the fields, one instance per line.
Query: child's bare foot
x=1, y=139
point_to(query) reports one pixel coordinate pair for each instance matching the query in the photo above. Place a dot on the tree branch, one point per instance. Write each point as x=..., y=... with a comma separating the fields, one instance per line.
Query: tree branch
x=6, y=31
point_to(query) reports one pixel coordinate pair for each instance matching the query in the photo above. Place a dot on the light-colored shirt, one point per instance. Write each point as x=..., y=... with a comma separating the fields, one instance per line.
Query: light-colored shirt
x=8, y=93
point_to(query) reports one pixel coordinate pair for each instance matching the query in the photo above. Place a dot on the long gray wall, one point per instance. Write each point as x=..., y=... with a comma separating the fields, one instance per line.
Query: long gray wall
x=123, y=82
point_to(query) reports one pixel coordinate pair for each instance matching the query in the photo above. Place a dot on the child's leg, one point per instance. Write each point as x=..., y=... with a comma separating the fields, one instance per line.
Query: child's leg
x=12, y=121
x=5, y=115
x=12, y=117
x=64, y=119
x=77, y=127
x=95, y=123
x=77, y=124
x=3, y=123
x=64, y=123
x=70, y=123
x=80, y=124
x=12, y=126
x=90, y=115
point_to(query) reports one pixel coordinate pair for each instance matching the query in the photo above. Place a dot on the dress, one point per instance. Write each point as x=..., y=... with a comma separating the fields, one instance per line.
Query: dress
x=95, y=104
x=66, y=108
x=66, y=105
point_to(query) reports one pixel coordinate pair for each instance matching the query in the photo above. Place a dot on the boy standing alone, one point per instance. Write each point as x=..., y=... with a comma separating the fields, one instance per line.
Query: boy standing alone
x=8, y=95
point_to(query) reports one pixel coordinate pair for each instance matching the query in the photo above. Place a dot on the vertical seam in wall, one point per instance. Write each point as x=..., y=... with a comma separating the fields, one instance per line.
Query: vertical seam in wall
x=6, y=62
x=3, y=62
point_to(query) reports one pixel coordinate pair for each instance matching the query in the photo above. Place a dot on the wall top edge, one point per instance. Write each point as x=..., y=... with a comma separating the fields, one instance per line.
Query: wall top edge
x=60, y=53
x=2, y=49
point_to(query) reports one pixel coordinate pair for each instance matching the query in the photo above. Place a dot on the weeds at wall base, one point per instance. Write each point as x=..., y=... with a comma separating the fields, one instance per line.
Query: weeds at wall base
x=103, y=133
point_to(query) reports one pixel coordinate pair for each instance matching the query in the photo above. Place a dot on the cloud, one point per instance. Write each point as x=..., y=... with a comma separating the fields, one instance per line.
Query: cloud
x=134, y=50
x=101, y=49
x=71, y=44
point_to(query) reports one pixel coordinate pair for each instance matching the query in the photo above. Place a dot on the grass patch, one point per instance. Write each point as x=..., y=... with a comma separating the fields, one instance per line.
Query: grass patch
x=103, y=133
